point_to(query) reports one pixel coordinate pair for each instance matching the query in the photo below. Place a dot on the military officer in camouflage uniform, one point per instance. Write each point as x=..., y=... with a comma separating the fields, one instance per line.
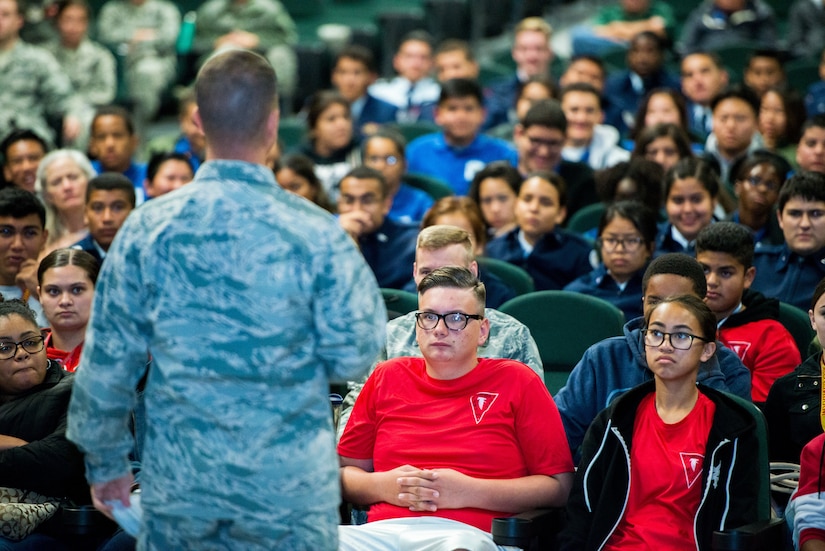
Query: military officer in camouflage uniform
x=250, y=300
x=33, y=88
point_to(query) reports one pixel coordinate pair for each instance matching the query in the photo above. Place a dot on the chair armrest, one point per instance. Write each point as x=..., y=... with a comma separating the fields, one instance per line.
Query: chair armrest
x=763, y=535
x=522, y=529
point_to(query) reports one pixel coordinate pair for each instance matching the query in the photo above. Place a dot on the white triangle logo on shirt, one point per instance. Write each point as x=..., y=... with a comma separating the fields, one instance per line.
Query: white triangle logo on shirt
x=693, y=463
x=740, y=347
x=481, y=402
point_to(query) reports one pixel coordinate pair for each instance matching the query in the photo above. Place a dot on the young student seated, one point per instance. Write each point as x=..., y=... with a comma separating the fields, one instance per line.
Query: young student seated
x=626, y=238
x=613, y=366
x=588, y=140
x=748, y=320
x=691, y=188
x=552, y=256
x=806, y=510
x=460, y=150
x=670, y=461
x=539, y=137
x=810, y=152
x=113, y=143
x=474, y=439
x=385, y=152
x=703, y=77
x=757, y=180
x=388, y=246
x=790, y=271
x=454, y=213
x=624, y=90
x=110, y=198
x=353, y=71
x=66, y=284
x=413, y=91
x=735, y=128
x=22, y=236
x=441, y=246
x=764, y=71
x=167, y=172
x=22, y=150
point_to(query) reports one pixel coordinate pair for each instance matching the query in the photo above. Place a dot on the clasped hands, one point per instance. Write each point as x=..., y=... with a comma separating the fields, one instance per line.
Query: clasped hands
x=429, y=489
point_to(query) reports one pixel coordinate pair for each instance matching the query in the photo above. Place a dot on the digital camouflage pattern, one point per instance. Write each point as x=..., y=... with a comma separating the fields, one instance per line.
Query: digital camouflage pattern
x=250, y=300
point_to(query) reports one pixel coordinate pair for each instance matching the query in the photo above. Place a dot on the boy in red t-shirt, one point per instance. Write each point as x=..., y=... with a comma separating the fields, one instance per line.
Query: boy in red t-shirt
x=438, y=446
x=747, y=320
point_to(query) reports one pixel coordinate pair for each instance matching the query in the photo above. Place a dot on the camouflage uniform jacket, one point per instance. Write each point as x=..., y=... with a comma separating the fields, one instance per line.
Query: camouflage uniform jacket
x=91, y=69
x=268, y=19
x=119, y=19
x=33, y=88
x=250, y=301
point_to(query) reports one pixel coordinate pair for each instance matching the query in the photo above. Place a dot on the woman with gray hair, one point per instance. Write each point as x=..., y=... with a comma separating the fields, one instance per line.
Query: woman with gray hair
x=61, y=184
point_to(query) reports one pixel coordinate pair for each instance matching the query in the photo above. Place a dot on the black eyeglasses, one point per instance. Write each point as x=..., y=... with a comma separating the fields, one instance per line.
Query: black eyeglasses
x=32, y=345
x=630, y=244
x=455, y=321
x=679, y=340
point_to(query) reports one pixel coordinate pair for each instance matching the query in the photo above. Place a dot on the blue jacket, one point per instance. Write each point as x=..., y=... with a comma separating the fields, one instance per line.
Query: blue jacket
x=410, y=204
x=558, y=258
x=390, y=252
x=623, y=100
x=600, y=284
x=613, y=366
x=88, y=244
x=787, y=276
x=433, y=156
x=815, y=99
x=666, y=244
x=377, y=111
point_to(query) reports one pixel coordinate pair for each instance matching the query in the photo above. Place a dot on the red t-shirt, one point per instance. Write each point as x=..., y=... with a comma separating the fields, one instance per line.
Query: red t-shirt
x=766, y=348
x=666, y=464
x=68, y=360
x=496, y=422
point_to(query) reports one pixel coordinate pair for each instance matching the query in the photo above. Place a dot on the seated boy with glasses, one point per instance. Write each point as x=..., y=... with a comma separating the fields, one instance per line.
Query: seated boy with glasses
x=439, y=446
x=384, y=151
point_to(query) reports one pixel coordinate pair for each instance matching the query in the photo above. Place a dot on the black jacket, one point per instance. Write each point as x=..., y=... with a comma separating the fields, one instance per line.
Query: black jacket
x=49, y=464
x=792, y=410
x=600, y=490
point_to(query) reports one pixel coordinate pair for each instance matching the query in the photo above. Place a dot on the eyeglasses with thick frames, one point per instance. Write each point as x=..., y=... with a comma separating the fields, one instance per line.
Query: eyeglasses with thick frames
x=630, y=244
x=455, y=321
x=32, y=345
x=679, y=340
